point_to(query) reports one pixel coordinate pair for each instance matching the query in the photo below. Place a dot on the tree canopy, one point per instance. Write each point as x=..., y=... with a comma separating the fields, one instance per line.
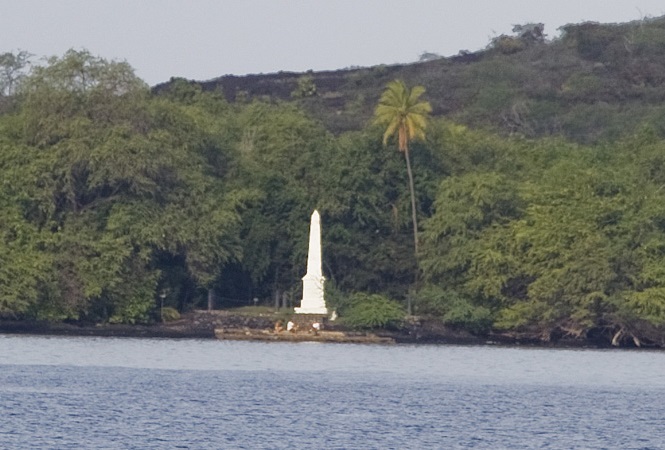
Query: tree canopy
x=114, y=196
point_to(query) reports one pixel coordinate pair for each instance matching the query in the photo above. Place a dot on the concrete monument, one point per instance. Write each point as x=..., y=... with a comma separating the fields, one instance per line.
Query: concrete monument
x=312, y=283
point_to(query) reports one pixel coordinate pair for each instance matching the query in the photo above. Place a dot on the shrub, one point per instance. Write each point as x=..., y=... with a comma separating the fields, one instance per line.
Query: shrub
x=367, y=311
x=591, y=39
x=476, y=319
x=305, y=87
x=508, y=44
x=170, y=314
x=583, y=86
x=454, y=309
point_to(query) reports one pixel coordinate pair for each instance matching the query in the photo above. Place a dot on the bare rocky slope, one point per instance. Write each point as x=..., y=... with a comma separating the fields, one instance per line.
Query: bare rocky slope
x=594, y=82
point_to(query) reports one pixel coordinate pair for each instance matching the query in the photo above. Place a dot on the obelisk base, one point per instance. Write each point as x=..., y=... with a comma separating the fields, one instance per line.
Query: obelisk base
x=313, y=301
x=305, y=322
x=318, y=311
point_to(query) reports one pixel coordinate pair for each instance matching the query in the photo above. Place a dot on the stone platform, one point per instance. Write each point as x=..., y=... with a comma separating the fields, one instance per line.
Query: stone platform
x=301, y=336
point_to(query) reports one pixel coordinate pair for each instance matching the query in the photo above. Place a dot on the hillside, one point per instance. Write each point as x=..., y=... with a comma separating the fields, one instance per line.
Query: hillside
x=538, y=190
x=591, y=84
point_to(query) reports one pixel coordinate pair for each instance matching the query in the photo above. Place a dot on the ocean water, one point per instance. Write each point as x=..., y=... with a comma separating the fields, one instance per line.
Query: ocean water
x=107, y=393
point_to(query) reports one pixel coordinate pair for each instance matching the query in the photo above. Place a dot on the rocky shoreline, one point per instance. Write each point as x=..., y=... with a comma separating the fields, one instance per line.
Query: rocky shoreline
x=202, y=325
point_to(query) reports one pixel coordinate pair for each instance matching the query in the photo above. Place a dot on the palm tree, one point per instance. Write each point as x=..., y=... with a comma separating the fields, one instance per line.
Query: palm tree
x=404, y=116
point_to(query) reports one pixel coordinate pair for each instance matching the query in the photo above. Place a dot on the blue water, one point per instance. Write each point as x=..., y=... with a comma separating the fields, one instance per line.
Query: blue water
x=105, y=393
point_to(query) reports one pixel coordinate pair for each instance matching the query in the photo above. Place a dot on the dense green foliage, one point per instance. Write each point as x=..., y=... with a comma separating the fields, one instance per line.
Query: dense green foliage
x=368, y=311
x=104, y=191
x=115, y=200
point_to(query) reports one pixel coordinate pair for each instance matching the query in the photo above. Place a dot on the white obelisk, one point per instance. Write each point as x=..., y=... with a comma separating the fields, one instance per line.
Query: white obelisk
x=312, y=283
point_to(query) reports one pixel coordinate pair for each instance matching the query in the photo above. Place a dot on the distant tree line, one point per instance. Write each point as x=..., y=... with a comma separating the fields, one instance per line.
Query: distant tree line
x=114, y=198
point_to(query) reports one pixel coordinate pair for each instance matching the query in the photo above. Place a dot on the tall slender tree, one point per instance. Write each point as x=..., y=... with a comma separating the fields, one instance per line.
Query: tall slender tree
x=405, y=117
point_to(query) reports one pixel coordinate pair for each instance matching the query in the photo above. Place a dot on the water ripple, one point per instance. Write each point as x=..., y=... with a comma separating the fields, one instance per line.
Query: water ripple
x=61, y=393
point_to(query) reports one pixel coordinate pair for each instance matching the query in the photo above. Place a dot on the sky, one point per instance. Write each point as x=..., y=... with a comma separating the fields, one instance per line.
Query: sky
x=205, y=39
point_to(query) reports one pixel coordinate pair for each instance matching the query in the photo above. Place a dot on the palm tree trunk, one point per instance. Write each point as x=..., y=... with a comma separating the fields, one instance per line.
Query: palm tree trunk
x=414, y=219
